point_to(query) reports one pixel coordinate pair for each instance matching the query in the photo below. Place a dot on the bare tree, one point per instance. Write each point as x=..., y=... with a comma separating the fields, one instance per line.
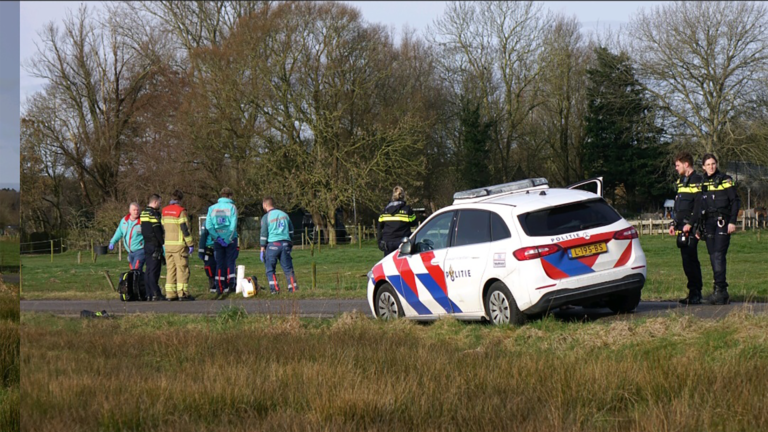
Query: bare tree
x=563, y=100
x=702, y=61
x=491, y=50
x=96, y=85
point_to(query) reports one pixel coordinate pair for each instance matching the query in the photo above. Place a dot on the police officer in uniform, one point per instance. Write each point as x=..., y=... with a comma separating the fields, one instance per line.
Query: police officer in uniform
x=688, y=191
x=152, y=231
x=395, y=222
x=718, y=209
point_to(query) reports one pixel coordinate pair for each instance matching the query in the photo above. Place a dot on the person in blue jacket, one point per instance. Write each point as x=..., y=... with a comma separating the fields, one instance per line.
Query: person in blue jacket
x=221, y=223
x=275, y=240
x=205, y=253
x=129, y=230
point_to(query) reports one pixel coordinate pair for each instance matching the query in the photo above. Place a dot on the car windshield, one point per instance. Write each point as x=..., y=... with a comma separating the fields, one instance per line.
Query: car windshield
x=568, y=218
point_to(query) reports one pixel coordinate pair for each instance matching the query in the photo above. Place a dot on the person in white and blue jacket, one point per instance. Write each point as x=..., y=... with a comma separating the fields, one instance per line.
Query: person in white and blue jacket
x=129, y=230
x=276, y=245
x=221, y=223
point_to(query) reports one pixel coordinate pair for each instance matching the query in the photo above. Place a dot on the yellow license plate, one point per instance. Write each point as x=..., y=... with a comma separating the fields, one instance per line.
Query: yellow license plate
x=587, y=250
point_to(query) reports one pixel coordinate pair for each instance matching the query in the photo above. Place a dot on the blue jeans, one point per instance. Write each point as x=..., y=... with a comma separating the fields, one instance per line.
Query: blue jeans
x=136, y=259
x=226, y=274
x=281, y=251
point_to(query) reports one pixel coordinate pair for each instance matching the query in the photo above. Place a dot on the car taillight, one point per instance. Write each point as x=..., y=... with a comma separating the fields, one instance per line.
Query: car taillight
x=528, y=253
x=626, y=234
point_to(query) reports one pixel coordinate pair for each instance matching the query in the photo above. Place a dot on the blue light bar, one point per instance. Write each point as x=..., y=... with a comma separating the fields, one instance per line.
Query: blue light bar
x=500, y=189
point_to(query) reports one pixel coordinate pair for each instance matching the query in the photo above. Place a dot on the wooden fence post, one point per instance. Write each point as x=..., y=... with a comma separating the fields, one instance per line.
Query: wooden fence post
x=314, y=275
x=119, y=250
x=359, y=238
x=79, y=261
x=51, y=250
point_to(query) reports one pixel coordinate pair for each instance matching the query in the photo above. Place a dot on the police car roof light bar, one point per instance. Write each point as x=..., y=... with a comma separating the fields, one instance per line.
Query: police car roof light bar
x=516, y=186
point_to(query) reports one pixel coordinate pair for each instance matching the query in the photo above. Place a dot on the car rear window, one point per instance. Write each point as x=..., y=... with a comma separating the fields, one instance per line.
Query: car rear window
x=568, y=218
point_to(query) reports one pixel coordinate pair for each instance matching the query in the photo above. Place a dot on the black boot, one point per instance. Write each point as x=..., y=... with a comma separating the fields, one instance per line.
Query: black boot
x=212, y=285
x=694, y=298
x=719, y=297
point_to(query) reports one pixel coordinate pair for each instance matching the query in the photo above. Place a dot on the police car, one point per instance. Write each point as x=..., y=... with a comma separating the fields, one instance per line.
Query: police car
x=509, y=251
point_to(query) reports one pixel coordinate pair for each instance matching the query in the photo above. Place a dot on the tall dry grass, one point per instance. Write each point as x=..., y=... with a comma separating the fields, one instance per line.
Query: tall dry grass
x=9, y=360
x=235, y=373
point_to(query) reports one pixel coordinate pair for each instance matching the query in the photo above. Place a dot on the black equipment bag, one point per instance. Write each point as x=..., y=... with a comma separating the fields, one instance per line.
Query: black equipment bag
x=131, y=286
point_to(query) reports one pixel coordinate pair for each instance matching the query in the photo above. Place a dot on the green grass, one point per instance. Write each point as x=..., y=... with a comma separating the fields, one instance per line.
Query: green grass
x=238, y=372
x=9, y=252
x=747, y=272
x=341, y=271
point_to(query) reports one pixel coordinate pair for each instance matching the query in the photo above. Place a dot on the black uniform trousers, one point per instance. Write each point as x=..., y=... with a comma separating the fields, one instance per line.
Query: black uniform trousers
x=152, y=275
x=718, y=240
x=691, y=265
x=390, y=247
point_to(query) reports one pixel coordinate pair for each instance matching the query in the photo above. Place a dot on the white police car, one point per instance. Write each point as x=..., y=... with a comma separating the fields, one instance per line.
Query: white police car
x=508, y=251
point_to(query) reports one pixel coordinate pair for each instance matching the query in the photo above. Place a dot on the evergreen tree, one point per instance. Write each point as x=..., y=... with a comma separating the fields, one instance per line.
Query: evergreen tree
x=472, y=156
x=623, y=143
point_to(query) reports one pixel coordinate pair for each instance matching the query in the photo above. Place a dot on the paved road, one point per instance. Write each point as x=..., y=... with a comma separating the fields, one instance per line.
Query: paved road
x=329, y=308
x=12, y=278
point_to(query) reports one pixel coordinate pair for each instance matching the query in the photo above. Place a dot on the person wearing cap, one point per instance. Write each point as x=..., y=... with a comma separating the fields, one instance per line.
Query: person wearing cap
x=395, y=222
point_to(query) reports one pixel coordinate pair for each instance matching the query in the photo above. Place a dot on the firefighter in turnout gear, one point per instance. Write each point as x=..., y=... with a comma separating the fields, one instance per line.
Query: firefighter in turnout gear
x=205, y=253
x=152, y=231
x=276, y=245
x=395, y=222
x=178, y=247
x=716, y=211
x=688, y=191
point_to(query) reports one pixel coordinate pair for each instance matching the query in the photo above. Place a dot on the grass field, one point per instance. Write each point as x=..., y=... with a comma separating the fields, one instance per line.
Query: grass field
x=9, y=359
x=341, y=271
x=234, y=372
x=9, y=253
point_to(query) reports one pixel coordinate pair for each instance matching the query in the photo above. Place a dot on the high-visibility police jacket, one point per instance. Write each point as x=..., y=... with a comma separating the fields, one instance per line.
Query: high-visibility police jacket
x=130, y=231
x=176, y=227
x=718, y=199
x=275, y=226
x=151, y=228
x=688, y=191
x=395, y=222
x=221, y=220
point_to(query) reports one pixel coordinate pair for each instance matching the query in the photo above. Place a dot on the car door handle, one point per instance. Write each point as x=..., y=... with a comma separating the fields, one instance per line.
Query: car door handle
x=435, y=262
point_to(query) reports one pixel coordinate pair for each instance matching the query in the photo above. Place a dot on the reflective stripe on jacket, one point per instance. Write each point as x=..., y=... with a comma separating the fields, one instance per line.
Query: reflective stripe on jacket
x=275, y=226
x=221, y=220
x=176, y=227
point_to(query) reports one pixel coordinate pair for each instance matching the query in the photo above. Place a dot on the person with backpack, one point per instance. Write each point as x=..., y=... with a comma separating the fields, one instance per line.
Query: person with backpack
x=129, y=230
x=276, y=245
x=221, y=223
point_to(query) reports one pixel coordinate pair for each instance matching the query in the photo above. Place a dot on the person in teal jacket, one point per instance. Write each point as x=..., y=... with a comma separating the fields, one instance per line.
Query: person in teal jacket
x=205, y=253
x=275, y=240
x=129, y=229
x=221, y=223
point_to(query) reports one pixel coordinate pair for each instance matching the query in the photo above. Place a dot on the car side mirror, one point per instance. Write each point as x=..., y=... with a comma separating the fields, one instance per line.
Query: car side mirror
x=405, y=246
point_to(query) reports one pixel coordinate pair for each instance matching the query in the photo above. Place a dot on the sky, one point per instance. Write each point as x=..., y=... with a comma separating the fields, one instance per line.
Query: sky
x=9, y=89
x=593, y=15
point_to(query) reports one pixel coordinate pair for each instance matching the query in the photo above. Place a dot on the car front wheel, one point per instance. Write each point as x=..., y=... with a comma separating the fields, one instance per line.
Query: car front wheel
x=500, y=306
x=388, y=306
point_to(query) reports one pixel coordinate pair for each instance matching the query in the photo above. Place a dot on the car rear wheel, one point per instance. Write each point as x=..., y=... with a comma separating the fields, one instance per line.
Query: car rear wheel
x=388, y=306
x=500, y=306
x=625, y=302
